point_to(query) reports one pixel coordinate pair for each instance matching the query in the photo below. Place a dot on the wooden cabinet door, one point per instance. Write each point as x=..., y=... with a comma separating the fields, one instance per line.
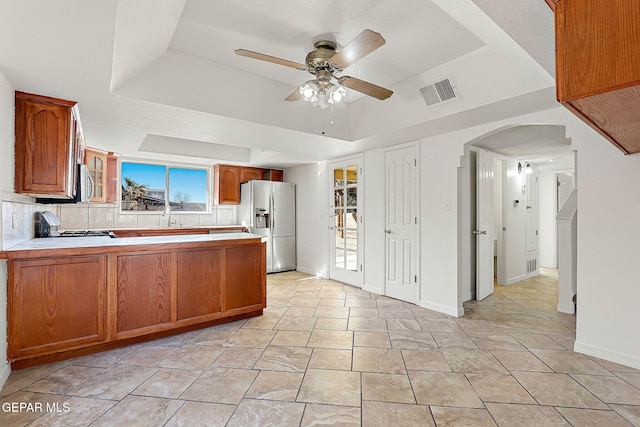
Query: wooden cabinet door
x=112, y=178
x=56, y=303
x=276, y=175
x=143, y=290
x=199, y=283
x=96, y=162
x=597, y=46
x=44, y=151
x=598, y=68
x=226, y=184
x=247, y=266
x=249, y=174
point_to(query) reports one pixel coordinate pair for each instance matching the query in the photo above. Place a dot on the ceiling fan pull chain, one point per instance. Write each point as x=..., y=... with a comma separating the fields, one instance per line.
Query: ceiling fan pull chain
x=331, y=113
x=322, y=112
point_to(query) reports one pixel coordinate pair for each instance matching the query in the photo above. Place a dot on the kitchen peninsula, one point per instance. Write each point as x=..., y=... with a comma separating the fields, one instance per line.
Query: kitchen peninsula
x=73, y=296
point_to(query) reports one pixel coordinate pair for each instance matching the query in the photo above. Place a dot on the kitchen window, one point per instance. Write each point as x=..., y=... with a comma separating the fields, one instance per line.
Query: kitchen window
x=150, y=187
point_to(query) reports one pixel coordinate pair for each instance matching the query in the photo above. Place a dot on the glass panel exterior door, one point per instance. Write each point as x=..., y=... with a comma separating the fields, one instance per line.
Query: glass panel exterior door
x=346, y=222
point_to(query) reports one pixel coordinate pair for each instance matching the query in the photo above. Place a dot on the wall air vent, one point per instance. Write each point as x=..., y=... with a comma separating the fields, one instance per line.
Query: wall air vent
x=439, y=92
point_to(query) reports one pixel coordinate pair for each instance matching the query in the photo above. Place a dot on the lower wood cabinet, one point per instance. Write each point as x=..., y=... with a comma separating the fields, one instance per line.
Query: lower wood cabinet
x=144, y=290
x=239, y=292
x=199, y=283
x=63, y=306
x=56, y=303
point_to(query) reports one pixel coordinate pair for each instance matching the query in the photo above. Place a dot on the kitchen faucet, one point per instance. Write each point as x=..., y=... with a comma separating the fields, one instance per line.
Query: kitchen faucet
x=167, y=210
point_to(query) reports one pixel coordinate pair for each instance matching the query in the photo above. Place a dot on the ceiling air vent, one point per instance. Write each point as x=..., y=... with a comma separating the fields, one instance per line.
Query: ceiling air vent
x=439, y=92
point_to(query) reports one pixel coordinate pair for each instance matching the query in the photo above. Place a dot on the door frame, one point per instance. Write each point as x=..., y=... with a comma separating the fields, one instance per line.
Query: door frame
x=354, y=278
x=416, y=145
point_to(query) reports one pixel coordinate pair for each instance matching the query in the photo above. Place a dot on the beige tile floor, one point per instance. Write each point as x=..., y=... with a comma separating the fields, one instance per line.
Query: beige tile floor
x=325, y=353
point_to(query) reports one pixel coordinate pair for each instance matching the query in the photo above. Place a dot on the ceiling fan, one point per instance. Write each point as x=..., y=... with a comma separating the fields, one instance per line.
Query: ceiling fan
x=328, y=86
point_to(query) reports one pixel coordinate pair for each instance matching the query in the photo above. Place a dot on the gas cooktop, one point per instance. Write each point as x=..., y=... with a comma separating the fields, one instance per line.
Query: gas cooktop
x=88, y=233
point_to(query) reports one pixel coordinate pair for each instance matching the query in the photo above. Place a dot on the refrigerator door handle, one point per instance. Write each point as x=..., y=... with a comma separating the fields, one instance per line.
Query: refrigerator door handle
x=273, y=215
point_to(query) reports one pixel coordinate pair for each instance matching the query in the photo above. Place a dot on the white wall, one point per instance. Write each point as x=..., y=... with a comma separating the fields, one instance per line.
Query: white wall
x=515, y=221
x=312, y=208
x=439, y=159
x=608, y=272
x=608, y=230
x=374, y=214
x=547, y=242
x=7, y=119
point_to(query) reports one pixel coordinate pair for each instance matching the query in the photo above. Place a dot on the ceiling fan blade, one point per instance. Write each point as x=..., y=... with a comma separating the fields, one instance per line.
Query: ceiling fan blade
x=268, y=58
x=364, y=43
x=295, y=95
x=365, y=87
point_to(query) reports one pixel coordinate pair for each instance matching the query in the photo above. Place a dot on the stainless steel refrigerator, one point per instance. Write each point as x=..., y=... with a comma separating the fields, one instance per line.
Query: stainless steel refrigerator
x=269, y=208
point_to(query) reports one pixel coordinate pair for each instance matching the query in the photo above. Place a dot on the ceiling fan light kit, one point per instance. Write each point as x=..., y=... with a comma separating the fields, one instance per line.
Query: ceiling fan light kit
x=309, y=91
x=328, y=87
x=322, y=96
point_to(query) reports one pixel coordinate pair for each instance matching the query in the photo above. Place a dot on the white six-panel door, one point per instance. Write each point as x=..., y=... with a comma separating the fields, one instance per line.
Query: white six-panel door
x=401, y=217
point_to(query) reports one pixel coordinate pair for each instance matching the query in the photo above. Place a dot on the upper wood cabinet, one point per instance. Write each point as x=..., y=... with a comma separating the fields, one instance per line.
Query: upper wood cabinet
x=96, y=162
x=249, y=174
x=226, y=185
x=552, y=4
x=598, y=66
x=103, y=169
x=227, y=180
x=112, y=178
x=48, y=146
x=275, y=175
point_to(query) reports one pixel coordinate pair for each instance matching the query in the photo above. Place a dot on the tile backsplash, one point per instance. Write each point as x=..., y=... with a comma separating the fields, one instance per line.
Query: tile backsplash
x=17, y=219
x=18, y=213
x=108, y=216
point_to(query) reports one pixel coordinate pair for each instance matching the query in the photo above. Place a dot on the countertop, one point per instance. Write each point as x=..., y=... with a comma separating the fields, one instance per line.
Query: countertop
x=103, y=241
x=213, y=227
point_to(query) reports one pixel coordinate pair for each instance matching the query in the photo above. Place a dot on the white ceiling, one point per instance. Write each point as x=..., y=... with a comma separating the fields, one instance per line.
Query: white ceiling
x=541, y=144
x=158, y=79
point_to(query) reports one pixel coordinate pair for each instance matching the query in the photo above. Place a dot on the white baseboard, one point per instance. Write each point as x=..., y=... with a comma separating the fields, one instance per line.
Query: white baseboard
x=310, y=271
x=456, y=312
x=603, y=353
x=5, y=370
x=373, y=290
x=522, y=277
x=567, y=308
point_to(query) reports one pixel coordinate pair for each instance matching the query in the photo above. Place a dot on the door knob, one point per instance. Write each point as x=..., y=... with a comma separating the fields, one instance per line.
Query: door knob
x=477, y=232
x=386, y=230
